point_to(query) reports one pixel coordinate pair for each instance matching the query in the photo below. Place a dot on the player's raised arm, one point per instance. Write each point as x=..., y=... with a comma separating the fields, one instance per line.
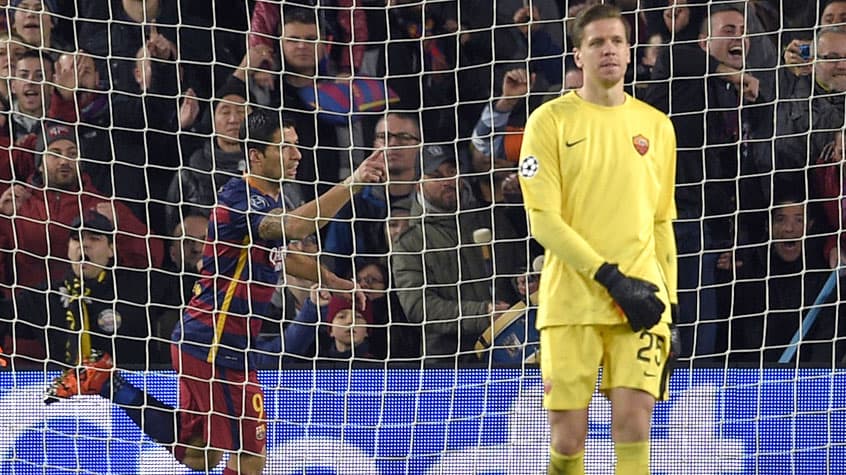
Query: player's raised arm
x=310, y=217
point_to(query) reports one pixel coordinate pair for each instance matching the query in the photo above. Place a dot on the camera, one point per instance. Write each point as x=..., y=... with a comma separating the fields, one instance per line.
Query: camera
x=805, y=51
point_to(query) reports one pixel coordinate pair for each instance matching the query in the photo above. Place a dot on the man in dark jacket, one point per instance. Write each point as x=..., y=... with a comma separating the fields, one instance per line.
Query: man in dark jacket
x=809, y=104
x=194, y=189
x=775, y=283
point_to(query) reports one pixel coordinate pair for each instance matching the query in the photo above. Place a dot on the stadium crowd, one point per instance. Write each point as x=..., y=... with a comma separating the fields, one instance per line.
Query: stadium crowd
x=121, y=120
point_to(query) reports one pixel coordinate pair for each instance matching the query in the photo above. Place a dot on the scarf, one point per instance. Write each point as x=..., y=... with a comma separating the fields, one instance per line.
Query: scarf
x=75, y=292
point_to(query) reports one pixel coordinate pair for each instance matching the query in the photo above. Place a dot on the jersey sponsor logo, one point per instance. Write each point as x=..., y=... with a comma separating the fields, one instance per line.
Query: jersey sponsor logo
x=575, y=142
x=641, y=144
x=529, y=167
x=276, y=256
x=259, y=202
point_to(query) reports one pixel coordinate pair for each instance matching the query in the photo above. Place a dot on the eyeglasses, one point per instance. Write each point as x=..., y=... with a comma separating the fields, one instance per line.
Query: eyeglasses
x=370, y=280
x=402, y=137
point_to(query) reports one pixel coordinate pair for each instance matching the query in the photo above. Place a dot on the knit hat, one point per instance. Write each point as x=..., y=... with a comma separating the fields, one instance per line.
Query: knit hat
x=336, y=304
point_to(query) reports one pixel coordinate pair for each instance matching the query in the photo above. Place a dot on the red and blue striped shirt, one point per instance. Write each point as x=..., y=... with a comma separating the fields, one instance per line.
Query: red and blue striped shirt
x=240, y=273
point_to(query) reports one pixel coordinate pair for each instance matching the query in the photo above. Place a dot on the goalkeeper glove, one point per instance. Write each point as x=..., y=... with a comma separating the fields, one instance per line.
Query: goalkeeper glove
x=636, y=297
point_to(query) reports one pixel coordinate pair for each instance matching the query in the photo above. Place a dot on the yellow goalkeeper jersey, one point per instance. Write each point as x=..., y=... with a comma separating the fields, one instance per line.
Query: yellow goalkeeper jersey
x=609, y=173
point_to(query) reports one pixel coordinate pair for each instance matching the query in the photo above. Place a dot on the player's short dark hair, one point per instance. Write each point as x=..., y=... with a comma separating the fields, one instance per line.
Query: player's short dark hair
x=592, y=14
x=258, y=129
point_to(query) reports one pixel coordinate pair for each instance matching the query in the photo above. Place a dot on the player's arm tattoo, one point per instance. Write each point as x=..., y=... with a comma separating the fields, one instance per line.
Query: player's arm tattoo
x=273, y=225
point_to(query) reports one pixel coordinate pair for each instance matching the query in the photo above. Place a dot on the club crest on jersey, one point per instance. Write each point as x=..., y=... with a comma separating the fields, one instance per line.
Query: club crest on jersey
x=529, y=167
x=641, y=144
x=259, y=202
x=109, y=320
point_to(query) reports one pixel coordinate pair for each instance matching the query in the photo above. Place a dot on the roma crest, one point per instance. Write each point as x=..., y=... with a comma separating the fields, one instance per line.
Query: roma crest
x=641, y=144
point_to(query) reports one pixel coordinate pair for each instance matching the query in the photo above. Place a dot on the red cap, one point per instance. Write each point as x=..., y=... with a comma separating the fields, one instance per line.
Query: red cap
x=336, y=304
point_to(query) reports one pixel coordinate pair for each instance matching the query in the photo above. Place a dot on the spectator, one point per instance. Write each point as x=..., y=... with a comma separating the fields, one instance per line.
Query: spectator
x=359, y=228
x=710, y=103
x=673, y=20
x=151, y=120
x=94, y=305
x=302, y=43
x=834, y=13
x=499, y=130
x=419, y=56
x=35, y=216
x=392, y=336
x=112, y=34
x=15, y=162
x=220, y=159
x=443, y=279
x=775, y=282
x=31, y=93
x=348, y=331
x=178, y=276
x=496, y=143
x=33, y=21
x=349, y=21
x=80, y=97
x=10, y=52
x=315, y=331
x=806, y=107
x=527, y=283
x=829, y=180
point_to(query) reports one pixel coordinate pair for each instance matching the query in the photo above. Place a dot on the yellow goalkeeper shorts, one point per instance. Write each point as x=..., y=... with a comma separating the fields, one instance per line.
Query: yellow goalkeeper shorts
x=570, y=357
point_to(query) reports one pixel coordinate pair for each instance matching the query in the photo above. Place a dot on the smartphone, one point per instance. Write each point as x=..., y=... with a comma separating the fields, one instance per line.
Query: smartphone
x=805, y=51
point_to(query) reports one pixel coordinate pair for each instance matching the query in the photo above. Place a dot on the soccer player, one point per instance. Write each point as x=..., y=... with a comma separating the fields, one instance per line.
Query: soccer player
x=221, y=405
x=597, y=169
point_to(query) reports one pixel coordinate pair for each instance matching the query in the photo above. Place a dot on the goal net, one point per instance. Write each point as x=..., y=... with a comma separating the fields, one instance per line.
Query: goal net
x=124, y=143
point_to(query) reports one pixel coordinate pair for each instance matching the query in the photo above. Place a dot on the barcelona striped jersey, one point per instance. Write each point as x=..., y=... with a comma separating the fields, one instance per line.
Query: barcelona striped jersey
x=240, y=272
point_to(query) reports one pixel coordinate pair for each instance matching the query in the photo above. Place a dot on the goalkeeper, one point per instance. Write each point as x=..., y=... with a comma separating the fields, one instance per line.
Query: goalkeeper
x=221, y=405
x=597, y=171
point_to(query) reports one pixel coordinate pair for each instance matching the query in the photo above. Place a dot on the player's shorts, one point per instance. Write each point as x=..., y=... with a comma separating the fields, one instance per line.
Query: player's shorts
x=570, y=356
x=221, y=407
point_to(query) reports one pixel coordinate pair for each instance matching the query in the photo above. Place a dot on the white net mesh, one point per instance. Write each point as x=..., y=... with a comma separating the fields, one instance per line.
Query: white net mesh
x=122, y=122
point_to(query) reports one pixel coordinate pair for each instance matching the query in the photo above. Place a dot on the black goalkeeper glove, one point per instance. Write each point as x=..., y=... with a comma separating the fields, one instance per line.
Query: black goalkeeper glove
x=636, y=297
